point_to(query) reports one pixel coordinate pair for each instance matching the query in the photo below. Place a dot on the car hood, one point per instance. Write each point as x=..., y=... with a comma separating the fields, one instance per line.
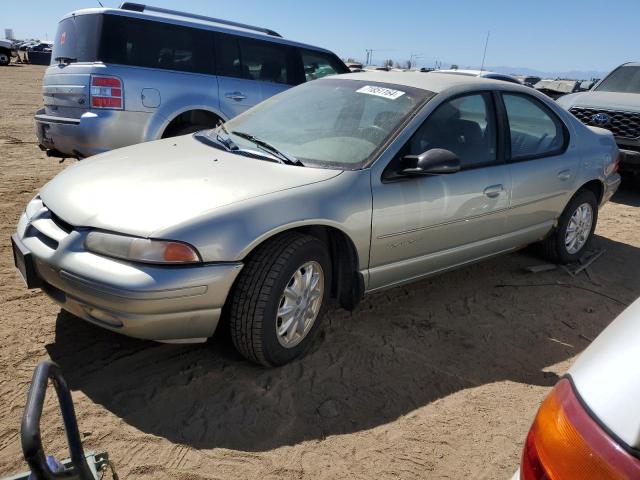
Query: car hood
x=144, y=188
x=608, y=379
x=603, y=100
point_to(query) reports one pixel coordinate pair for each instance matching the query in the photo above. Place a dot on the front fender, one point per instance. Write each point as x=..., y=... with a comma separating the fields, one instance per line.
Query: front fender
x=231, y=232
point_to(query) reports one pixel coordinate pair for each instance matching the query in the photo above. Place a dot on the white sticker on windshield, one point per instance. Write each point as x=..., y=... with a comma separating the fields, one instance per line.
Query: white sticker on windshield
x=380, y=92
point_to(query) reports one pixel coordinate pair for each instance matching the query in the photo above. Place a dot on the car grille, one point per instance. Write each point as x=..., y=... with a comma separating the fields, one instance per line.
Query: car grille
x=621, y=124
x=47, y=227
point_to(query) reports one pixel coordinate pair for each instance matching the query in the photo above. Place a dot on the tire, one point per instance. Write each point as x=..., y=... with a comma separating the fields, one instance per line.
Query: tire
x=185, y=130
x=5, y=58
x=556, y=247
x=259, y=297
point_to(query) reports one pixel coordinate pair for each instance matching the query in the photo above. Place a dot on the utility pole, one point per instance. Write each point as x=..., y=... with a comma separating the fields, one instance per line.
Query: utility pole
x=486, y=43
x=412, y=57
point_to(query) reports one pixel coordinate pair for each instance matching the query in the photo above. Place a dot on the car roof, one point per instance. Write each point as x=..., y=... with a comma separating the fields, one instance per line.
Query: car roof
x=427, y=81
x=475, y=73
x=194, y=22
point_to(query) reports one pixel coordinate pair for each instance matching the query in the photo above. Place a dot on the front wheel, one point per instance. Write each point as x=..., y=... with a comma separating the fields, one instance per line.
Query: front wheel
x=279, y=298
x=575, y=229
x=5, y=58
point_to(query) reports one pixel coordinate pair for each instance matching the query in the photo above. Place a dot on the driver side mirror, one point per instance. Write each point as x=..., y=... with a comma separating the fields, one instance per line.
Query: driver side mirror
x=436, y=161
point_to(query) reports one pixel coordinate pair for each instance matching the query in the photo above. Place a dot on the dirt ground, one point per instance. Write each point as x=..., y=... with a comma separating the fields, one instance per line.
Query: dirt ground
x=439, y=379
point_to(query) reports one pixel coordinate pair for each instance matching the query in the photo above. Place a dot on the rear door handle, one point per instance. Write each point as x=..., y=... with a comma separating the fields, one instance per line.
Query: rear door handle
x=237, y=96
x=564, y=175
x=494, y=190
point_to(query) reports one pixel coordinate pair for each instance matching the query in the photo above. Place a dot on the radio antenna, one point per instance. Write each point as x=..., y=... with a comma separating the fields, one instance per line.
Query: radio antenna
x=486, y=43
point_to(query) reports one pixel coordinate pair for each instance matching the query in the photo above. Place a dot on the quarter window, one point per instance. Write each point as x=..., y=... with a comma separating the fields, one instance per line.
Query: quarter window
x=318, y=65
x=464, y=125
x=534, y=130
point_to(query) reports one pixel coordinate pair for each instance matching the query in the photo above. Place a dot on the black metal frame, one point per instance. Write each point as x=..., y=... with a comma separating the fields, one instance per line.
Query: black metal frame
x=30, y=428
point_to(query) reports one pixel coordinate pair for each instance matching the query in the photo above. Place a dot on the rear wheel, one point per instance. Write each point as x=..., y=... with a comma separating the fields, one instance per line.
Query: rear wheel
x=5, y=58
x=279, y=298
x=185, y=130
x=575, y=229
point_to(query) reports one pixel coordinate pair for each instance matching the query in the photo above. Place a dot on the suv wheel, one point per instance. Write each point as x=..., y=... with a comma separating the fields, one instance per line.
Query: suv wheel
x=575, y=229
x=5, y=58
x=186, y=129
x=279, y=298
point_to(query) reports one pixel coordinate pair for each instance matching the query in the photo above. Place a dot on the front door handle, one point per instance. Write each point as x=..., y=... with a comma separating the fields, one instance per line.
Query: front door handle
x=237, y=96
x=564, y=175
x=494, y=190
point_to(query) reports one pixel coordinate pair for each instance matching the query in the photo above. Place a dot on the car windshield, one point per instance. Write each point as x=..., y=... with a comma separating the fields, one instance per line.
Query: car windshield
x=332, y=123
x=623, y=80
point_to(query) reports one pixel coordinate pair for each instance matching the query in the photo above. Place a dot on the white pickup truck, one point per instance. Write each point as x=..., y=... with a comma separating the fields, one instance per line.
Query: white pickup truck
x=614, y=104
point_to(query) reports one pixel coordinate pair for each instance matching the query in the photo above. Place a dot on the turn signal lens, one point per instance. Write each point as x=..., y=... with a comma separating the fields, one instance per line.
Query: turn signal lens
x=565, y=443
x=140, y=249
x=616, y=163
x=179, y=252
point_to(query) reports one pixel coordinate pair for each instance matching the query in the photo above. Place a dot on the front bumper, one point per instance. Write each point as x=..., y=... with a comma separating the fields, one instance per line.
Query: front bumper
x=630, y=161
x=92, y=133
x=164, y=303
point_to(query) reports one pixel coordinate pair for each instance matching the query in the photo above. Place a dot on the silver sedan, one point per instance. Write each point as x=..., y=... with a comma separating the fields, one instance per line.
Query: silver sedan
x=333, y=189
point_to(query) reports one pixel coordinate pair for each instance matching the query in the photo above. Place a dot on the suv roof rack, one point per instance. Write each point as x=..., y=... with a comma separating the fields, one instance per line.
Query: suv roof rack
x=138, y=7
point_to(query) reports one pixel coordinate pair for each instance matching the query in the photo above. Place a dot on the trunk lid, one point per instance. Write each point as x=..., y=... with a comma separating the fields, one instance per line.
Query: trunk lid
x=65, y=90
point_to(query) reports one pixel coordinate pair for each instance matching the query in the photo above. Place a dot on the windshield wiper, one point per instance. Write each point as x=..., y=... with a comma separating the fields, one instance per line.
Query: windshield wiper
x=285, y=158
x=227, y=142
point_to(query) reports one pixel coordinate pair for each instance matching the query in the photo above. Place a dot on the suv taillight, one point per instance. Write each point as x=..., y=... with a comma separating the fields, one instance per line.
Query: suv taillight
x=566, y=443
x=106, y=92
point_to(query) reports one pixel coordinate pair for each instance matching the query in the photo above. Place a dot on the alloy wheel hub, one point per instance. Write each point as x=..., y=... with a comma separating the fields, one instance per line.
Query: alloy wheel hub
x=300, y=304
x=579, y=228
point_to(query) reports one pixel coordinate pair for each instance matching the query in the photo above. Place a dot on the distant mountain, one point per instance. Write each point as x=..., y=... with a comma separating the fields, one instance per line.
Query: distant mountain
x=569, y=74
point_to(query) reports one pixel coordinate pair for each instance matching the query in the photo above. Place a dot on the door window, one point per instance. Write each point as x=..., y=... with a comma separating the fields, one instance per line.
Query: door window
x=318, y=65
x=464, y=125
x=534, y=130
x=143, y=43
x=253, y=59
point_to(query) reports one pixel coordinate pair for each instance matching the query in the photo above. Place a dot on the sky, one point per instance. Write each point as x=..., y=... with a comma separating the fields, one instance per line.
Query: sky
x=547, y=35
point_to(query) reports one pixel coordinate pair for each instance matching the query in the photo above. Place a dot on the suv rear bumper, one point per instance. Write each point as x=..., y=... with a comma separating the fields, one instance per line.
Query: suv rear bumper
x=94, y=132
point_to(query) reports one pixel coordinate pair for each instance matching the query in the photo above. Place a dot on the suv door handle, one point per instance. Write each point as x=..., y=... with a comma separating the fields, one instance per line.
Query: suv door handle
x=237, y=96
x=494, y=190
x=564, y=175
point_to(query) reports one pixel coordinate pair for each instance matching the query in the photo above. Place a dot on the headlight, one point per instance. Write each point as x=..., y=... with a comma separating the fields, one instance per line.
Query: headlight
x=140, y=249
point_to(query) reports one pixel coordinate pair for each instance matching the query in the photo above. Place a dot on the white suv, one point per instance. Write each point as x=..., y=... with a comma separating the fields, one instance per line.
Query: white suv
x=614, y=104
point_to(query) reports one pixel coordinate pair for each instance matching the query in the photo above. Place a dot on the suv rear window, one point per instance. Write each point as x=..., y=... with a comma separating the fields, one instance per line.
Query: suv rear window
x=77, y=39
x=143, y=43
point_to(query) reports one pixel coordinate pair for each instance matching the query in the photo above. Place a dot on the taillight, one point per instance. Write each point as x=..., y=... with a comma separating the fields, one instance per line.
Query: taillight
x=565, y=443
x=616, y=162
x=106, y=92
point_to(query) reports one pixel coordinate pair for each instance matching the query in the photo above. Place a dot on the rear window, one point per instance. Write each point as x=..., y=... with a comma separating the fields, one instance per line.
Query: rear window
x=143, y=43
x=77, y=39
